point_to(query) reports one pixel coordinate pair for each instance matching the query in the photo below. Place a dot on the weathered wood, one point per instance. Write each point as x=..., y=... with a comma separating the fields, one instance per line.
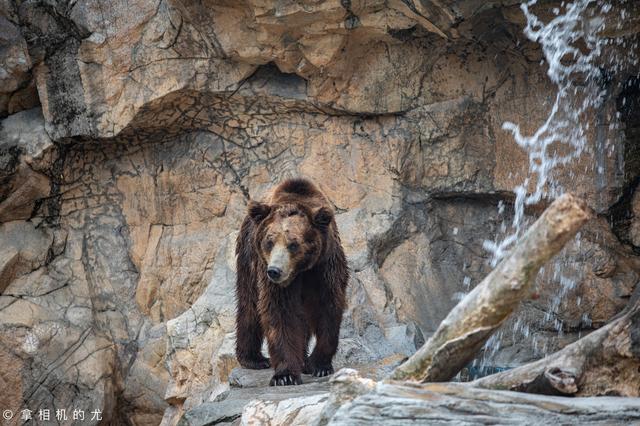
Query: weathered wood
x=605, y=362
x=455, y=403
x=354, y=400
x=473, y=320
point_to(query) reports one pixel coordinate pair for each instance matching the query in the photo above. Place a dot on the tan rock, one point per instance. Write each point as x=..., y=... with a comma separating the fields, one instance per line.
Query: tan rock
x=11, y=379
x=26, y=188
x=147, y=380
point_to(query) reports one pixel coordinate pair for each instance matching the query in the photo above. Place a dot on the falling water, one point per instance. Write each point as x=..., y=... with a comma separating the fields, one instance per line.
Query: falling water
x=576, y=55
x=563, y=136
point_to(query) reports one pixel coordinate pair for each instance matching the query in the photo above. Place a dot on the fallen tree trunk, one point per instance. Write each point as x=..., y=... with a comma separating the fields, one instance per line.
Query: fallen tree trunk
x=605, y=362
x=353, y=400
x=463, y=332
x=456, y=403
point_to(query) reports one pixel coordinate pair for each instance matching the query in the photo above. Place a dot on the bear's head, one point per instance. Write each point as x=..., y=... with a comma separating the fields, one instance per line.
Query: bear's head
x=290, y=238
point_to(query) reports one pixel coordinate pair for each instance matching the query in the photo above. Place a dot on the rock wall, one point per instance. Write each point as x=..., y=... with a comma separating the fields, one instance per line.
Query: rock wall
x=126, y=175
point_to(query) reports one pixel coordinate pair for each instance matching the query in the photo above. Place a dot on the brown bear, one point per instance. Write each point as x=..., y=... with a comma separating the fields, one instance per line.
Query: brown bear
x=291, y=283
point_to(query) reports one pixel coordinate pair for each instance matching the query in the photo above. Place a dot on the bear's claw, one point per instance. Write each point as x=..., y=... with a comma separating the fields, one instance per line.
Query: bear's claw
x=285, y=379
x=322, y=371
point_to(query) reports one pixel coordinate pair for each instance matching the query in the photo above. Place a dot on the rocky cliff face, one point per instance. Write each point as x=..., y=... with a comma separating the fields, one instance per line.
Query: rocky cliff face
x=125, y=177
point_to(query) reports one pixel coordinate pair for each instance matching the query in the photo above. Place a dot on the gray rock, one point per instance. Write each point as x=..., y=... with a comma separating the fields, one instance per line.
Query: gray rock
x=230, y=405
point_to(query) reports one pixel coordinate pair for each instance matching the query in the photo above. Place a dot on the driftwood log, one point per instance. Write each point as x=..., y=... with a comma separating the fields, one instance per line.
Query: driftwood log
x=354, y=400
x=467, y=327
x=458, y=404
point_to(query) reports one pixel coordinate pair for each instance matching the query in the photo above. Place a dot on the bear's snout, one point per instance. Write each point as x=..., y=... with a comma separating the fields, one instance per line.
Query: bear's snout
x=274, y=273
x=279, y=265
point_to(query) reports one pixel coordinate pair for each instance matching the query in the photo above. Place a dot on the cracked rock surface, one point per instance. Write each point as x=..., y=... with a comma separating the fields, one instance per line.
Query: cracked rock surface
x=132, y=138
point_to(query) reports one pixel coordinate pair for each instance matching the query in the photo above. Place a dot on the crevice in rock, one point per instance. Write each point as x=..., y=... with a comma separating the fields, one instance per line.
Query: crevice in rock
x=404, y=34
x=620, y=215
x=489, y=197
x=352, y=20
x=53, y=202
x=9, y=162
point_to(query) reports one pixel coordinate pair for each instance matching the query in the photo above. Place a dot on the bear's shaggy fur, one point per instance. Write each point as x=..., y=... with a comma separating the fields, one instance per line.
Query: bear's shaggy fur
x=292, y=278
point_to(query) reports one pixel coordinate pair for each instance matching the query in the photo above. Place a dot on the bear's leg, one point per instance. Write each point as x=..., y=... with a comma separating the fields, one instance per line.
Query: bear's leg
x=332, y=285
x=249, y=334
x=286, y=336
x=249, y=338
x=327, y=333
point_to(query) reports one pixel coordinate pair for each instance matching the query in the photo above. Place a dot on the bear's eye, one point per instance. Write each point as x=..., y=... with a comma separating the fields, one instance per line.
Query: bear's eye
x=293, y=247
x=268, y=245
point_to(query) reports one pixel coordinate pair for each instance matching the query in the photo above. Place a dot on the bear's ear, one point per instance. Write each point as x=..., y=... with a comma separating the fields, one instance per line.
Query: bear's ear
x=322, y=217
x=258, y=211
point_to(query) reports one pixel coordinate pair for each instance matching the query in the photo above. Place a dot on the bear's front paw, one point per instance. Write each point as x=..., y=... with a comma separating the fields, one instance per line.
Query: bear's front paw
x=285, y=378
x=261, y=363
x=322, y=370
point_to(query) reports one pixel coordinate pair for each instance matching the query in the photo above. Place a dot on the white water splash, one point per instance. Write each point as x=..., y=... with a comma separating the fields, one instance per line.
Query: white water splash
x=563, y=136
